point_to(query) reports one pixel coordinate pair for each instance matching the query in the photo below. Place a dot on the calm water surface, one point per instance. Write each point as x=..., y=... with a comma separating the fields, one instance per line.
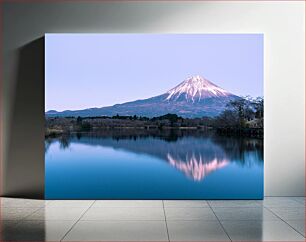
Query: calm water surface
x=172, y=166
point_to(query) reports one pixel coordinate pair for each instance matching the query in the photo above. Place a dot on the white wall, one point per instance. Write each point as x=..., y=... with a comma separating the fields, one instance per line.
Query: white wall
x=283, y=25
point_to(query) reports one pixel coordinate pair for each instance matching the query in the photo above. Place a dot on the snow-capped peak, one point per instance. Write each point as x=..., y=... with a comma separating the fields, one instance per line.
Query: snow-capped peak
x=196, y=88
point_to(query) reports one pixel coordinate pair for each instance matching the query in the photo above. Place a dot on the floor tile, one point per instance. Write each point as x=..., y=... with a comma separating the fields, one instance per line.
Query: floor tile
x=270, y=202
x=39, y=230
x=185, y=203
x=300, y=200
x=16, y=213
x=189, y=214
x=260, y=231
x=57, y=213
x=140, y=220
x=298, y=225
x=127, y=203
x=7, y=223
x=124, y=214
x=289, y=213
x=196, y=231
x=7, y=227
x=70, y=203
x=235, y=203
x=118, y=231
x=21, y=203
x=244, y=214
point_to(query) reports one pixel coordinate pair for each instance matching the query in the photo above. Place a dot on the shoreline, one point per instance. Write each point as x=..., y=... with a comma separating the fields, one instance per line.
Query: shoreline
x=165, y=131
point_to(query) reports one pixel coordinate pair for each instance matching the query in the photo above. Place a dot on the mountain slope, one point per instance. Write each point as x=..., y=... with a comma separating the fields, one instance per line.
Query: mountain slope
x=194, y=97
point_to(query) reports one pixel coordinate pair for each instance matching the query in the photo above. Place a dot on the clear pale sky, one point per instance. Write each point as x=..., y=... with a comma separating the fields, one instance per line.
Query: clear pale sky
x=96, y=70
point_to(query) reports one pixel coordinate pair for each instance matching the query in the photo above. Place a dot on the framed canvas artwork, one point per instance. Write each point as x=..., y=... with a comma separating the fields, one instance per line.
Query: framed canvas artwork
x=154, y=116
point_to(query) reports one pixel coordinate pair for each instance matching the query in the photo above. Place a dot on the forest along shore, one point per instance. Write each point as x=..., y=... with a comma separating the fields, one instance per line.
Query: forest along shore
x=57, y=126
x=241, y=117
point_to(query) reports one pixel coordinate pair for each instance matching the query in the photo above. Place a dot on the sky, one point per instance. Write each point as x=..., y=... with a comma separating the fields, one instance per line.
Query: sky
x=96, y=70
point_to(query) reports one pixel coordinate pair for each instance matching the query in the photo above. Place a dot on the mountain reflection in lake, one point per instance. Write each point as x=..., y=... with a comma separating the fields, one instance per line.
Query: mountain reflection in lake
x=167, y=165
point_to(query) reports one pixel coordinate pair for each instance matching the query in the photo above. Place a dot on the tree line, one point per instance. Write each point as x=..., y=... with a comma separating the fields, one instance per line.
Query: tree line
x=240, y=114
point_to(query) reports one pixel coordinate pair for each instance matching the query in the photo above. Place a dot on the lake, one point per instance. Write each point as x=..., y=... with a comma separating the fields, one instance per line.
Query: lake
x=171, y=165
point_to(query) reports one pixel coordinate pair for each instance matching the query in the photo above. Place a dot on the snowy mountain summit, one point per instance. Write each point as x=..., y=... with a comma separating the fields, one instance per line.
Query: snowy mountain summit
x=195, y=89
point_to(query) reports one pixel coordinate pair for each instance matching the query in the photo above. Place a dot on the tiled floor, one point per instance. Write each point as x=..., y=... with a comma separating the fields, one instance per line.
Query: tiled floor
x=274, y=219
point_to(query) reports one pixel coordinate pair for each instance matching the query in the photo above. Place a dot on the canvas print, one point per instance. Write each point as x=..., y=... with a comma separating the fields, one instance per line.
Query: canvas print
x=154, y=116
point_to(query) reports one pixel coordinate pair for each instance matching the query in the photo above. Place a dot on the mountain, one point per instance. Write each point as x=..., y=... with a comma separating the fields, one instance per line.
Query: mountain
x=194, y=97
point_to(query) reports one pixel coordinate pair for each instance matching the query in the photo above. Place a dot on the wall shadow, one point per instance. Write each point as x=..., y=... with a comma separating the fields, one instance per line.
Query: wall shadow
x=25, y=165
x=27, y=230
